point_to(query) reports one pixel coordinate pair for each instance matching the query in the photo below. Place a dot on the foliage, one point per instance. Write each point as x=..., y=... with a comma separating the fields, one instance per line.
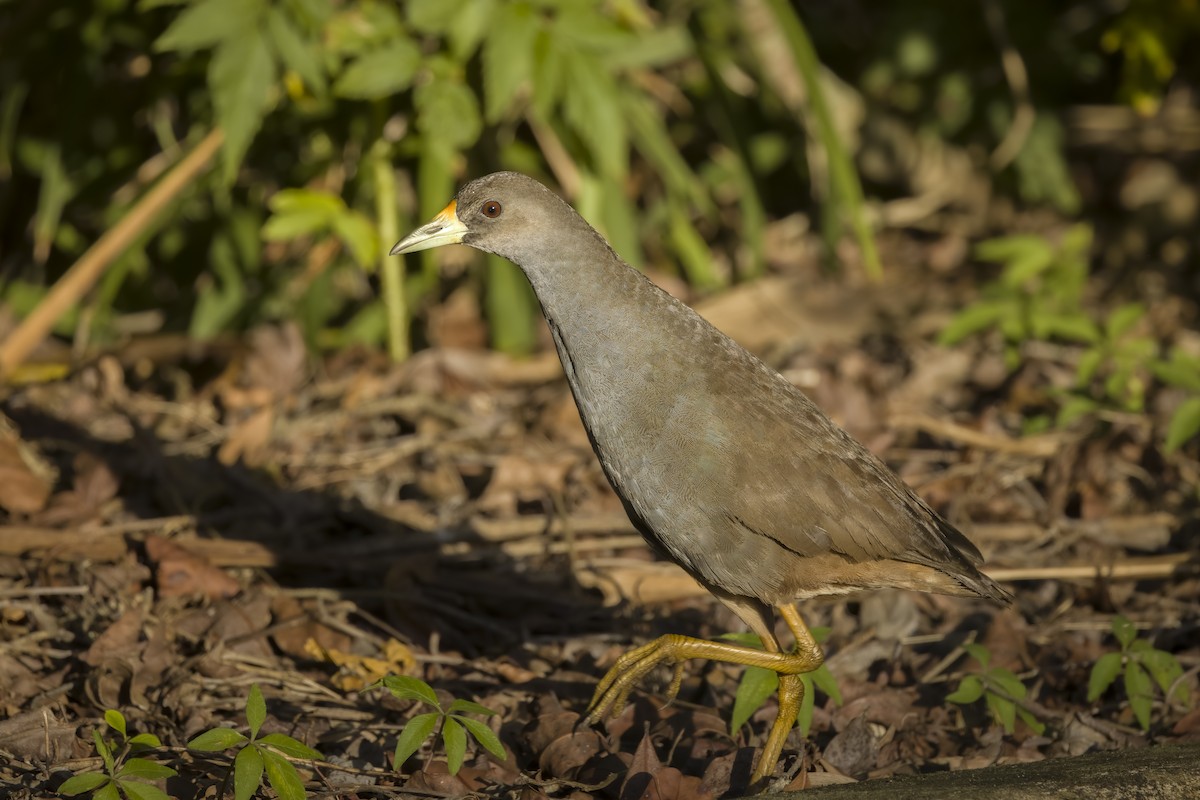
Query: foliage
x=1003, y=691
x=124, y=775
x=1143, y=667
x=1039, y=296
x=757, y=684
x=454, y=726
x=257, y=755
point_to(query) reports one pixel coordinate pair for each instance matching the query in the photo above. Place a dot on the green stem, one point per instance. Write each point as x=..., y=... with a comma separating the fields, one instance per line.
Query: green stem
x=391, y=270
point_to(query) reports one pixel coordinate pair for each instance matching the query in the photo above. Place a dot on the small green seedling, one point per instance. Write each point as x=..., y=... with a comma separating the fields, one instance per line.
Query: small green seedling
x=454, y=725
x=256, y=755
x=123, y=775
x=1003, y=691
x=757, y=684
x=1143, y=667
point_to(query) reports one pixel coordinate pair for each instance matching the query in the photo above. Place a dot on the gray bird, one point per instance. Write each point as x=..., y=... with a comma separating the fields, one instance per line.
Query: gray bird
x=726, y=468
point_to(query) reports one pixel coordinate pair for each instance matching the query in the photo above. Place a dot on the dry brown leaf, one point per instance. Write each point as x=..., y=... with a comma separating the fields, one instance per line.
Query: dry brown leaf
x=118, y=639
x=356, y=672
x=648, y=779
x=249, y=439
x=179, y=573
x=24, y=484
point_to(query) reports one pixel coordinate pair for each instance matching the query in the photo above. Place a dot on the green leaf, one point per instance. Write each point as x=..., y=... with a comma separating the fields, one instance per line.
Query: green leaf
x=241, y=76
x=1035, y=724
x=1016, y=249
x=431, y=16
x=507, y=56
x=1121, y=320
x=969, y=690
x=455, y=740
x=459, y=706
x=692, y=250
x=145, y=769
x=485, y=736
x=283, y=777
x=247, y=772
x=592, y=109
x=1179, y=370
x=415, y=732
x=549, y=77
x=215, y=740
x=651, y=49
x=748, y=639
x=823, y=679
x=1074, y=407
x=357, y=232
x=380, y=73
x=404, y=687
x=1104, y=672
x=298, y=55
x=1089, y=364
x=975, y=318
x=143, y=791
x=1003, y=711
x=146, y=740
x=1124, y=630
x=1185, y=424
x=979, y=653
x=756, y=685
x=107, y=792
x=256, y=710
x=1164, y=668
x=1140, y=692
x=447, y=110
x=84, y=782
x=104, y=751
x=209, y=23
x=1071, y=327
x=469, y=27
x=289, y=746
x=116, y=720
x=808, y=702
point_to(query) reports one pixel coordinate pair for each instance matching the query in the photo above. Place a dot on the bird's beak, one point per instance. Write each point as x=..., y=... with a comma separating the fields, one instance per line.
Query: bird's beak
x=445, y=228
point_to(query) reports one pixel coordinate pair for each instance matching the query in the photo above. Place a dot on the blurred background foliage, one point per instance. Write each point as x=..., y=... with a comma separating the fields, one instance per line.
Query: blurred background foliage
x=681, y=128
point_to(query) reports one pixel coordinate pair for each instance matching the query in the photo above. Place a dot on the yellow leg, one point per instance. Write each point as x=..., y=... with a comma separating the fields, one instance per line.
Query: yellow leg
x=613, y=691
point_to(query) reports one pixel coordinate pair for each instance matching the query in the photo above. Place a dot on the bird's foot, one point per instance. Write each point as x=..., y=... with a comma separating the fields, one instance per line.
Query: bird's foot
x=612, y=693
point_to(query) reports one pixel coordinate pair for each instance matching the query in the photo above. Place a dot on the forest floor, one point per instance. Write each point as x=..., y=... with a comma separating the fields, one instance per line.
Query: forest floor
x=185, y=521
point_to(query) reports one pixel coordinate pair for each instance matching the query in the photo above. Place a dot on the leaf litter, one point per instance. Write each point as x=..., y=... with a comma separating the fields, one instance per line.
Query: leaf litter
x=172, y=539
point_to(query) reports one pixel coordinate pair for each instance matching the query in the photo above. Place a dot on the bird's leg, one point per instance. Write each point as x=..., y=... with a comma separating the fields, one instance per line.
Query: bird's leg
x=613, y=690
x=791, y=692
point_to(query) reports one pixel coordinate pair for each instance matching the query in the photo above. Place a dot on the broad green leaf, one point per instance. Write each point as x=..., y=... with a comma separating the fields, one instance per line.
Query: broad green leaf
x=146, y=740
x=1003, y=711
x=969, y=690
x=143, y=791
x=256, y=709
x=241, y=76
x=549, y=77
x=448, y=111
x=979, y=653
x=1184, y=425
x=116, y=720
x=470, y=26
x=1165, y=669
x=215, y=740
x=592, y=109
x=975, y=318
x=431, y=16
x=1179, y=370
x=313, y=13
x=1035, y=724
x=295, y=201
x=289, y=746
x=692, y=250
x=651, y=49
x=297, y=54
x=380, y=73
x=1124, y=630
x=145, y=769
x=358, y=234
x=461, y=706
x=1074, y=407
x=108, y=791
x=808, y=702
x=1122, y=319
x=756, y=685
x=404, y=687
x=84, y=782
x=485, y=736
x=511, y=308
x=1017, y=248
x=415, y=732
x=1007, y=682
x=1072, y=327
x=508, y=56
x=247, y=772
x=1104, y=672
x=209, y=23
x=285, y=227
x=455, y=740
x=283, y=777
x=1089, y=364
x=748, y=639
x=103, y=749
x=824, y=680
x=1140, y=692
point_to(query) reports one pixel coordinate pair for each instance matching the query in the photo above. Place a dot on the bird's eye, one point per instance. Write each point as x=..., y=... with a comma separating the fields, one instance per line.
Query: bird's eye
x=491, y=209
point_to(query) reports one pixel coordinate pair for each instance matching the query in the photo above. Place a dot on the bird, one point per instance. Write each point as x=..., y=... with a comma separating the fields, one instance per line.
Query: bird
x=724, y=466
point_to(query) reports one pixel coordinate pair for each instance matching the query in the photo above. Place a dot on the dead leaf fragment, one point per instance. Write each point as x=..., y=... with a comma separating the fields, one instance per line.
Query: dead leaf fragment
x=179, y=573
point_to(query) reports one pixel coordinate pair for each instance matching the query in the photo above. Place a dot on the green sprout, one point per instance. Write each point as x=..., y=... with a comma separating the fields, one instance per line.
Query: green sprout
x=1143, y=666
x=123, y=775
x=1003, y=691
x=454, y=725
x=757, y=684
